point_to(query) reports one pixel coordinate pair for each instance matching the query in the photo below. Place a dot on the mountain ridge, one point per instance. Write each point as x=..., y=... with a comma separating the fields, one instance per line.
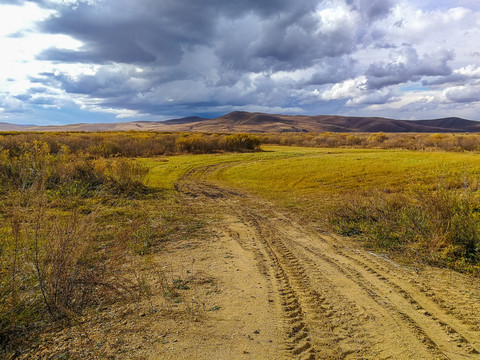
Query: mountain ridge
x=256, y=122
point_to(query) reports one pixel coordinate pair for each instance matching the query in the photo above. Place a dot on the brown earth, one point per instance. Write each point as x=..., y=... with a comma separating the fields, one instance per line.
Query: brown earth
x=262, y=286
x=242, y=121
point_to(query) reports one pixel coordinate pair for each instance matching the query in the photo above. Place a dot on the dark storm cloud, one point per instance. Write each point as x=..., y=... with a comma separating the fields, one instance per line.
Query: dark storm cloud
x=372, y=10
x=149, y=30
x=333, y=70
x=246, y=35
x=197, y=53
x=408, y=67
x=292, y=43
x=131, y=54
x=127, y=32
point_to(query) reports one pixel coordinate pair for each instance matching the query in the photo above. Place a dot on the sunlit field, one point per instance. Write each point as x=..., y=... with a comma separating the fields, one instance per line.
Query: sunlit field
x=70, y=214
x=391, y=200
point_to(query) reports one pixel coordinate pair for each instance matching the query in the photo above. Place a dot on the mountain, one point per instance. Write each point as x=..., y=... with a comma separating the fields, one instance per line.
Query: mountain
x=242, y=121
x=11, y=127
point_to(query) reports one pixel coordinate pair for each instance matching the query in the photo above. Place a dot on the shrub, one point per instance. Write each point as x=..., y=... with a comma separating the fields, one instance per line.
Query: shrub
x=125, y=175
x=126, y=144
x=197, y=143
x=241, y=142
x=443, y=225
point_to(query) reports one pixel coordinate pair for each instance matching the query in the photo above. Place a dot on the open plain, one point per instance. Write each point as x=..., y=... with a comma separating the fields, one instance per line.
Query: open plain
x=258, y=255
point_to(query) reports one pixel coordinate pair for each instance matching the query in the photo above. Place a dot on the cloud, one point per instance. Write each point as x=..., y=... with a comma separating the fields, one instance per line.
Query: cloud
x=382, y=96
x=459, y=76
x=10, y=104
x=153, y=64
x=146, y=30
x=291, y=42
x=163, y=57
x=347, y=89
x=463, y=94
x=372, y=10
x=332, y=70
x=246, y=35
x=408, y=66
x=130, y=32
x=106, y=82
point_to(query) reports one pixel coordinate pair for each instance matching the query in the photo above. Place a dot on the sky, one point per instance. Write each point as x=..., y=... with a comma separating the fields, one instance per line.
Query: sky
x=81, y=61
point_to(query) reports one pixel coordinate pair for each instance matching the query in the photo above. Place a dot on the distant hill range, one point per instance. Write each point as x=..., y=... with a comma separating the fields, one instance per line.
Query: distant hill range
x=241, y=121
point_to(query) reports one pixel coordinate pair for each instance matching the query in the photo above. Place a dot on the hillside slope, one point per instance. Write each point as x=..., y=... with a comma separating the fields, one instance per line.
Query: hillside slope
x=241, y=121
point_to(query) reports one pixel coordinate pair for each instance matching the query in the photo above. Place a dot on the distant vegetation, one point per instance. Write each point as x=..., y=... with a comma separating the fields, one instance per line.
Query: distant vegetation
x=379, y=140
x=149, y=143
x=131, y=143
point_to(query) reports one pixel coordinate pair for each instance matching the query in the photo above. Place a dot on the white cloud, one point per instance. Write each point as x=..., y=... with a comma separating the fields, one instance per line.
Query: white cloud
x=347, y=89
x=462, y=94
x=382, y=96
x=20, y=43
x=119, y=113
x=14, y=19
x=9, y=104
x=469, y=70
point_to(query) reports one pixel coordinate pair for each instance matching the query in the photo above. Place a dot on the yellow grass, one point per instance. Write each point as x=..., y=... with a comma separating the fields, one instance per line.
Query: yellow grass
x=392, y=199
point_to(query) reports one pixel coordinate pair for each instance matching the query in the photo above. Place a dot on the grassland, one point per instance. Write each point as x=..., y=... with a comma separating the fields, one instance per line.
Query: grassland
x=293, y=173
x=423, y=206
x=72, y=234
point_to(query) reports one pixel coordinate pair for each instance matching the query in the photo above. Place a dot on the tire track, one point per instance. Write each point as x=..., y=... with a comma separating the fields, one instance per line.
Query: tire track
x=382, y=286
x=299, y=301
x=423, y=320
x=306, y=253
x=439, y=316
x=332, y=298
x=461, y=307
x=297, y=336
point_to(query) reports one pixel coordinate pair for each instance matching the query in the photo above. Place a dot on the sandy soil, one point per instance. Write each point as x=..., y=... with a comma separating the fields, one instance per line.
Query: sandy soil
x=264, y=287
x=334, y=300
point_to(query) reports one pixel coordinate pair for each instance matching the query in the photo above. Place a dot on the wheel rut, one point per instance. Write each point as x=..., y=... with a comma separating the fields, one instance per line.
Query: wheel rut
x=445, y=337
x=336, y=302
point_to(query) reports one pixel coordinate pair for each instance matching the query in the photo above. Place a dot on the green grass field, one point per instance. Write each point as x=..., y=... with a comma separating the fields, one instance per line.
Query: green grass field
x=305, y=172
x=393, y=200
x=288, y=174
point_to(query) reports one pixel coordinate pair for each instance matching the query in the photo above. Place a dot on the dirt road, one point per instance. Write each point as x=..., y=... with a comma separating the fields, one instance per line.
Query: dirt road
x=320, y=297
